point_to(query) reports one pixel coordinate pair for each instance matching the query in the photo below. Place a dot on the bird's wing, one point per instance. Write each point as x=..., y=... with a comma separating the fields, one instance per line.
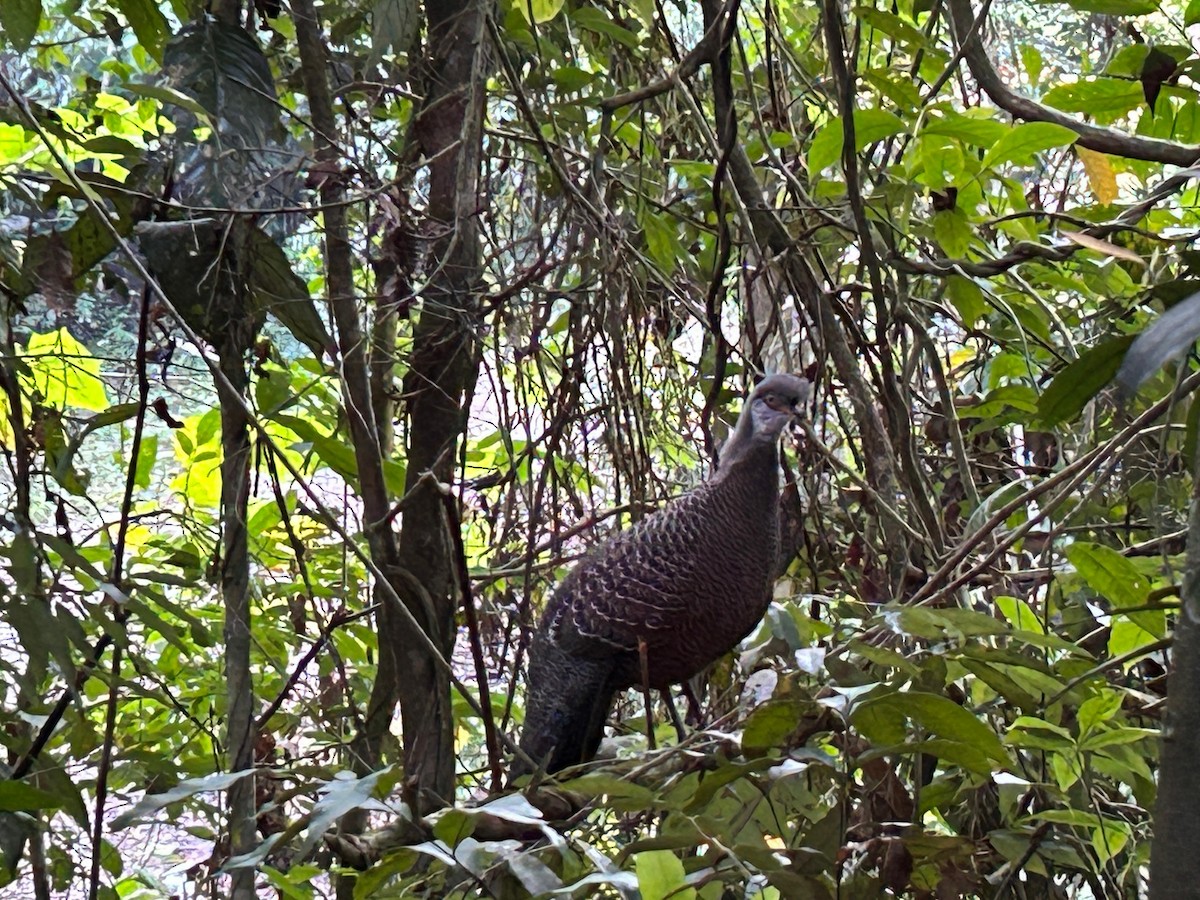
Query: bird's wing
x=638, y=585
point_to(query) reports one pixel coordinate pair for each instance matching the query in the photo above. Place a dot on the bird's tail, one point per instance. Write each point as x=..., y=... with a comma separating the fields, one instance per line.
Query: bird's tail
x=568, y=701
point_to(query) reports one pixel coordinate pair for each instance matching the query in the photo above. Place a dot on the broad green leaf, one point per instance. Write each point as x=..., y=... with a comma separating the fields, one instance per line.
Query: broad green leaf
x=1021, y=143
x=1031, y=62
x=1114, y=7
x=1191, y=15
x=19, y=22
x=1097, y=709
x=1109, y=839
x=147, y=22
x=769, y=724
x=594, y=19
x=1110, y=96
x=978, y=132
x=1029, y=731
x=1115, y=578
x=662, y=240
x=882, y=720
x=1081, y=380
x=17, y=796
x=571, y=78
x=1114, y=737
x=1108, y=573
x=1000, y=682
x=1126, y=636
x=1019, y=614
x=64, y=372
x=600, y=785
x=660, y=875
x=167, y=94
x=147, y=454
x=891, y=25
x=952, y=231
x=540, y=10
x=871, y=125
x=967, y=297
x=826, y=147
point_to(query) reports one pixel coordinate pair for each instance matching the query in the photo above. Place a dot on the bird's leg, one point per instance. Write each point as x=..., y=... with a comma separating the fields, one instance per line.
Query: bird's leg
x=678, y=722
x=645, y=662
x=695, y=710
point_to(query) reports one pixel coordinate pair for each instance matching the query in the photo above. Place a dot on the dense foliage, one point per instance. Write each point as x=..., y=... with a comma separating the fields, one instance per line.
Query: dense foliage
x=331, y=337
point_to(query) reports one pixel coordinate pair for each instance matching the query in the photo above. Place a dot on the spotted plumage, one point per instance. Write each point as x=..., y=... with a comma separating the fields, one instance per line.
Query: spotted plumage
x=689, y=582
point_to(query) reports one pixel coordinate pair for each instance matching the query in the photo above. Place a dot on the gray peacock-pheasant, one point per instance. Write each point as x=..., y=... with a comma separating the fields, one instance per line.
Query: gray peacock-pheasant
x=688, y=582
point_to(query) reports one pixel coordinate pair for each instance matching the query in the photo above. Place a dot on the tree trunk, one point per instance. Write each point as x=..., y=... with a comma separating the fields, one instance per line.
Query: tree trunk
x=1176, y=824
x=437, y=386
x=235, y=591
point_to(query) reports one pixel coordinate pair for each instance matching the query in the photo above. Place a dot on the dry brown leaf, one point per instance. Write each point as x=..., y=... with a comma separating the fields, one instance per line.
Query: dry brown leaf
x=1095, y=243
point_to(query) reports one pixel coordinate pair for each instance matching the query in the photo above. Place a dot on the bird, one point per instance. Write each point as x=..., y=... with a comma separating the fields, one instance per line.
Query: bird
x=673, y=593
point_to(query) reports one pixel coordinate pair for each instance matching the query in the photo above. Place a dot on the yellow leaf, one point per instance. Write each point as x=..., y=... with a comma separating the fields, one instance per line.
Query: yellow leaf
x=1100, y=174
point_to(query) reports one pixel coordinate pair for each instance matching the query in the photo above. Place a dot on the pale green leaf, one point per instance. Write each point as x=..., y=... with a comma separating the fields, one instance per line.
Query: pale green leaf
x=64, y=372
x=660, y=875
x=1023, y=141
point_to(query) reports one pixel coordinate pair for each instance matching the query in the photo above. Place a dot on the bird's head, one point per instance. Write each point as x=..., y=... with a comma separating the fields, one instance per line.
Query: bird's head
x=777, y=401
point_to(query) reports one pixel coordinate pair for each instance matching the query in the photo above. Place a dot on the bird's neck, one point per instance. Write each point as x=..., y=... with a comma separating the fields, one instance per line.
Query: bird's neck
x=745, y=451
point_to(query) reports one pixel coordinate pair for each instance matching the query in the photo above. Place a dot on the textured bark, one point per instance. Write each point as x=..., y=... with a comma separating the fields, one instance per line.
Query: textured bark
x=437, y=386
x=235, y=590
x=1176, y=825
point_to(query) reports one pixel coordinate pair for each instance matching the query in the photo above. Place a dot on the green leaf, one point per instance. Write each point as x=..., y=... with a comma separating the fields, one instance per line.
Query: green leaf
x=769, y=724
x=1115, y=578
x=882, y=720
x=19, y=22
x=871, y=125
x=1019, y=614
x=594, y=19
x=147, y=454
x=1100, y=708
x=826, y=147
x=64, y=371
x=147, y=22
x=662, y=241
x=571, y=78
x=1114, y=7
x=542, y=10
x=660, y=875
x=1021, y=143
x=1081, y=380
x=1191, y=15
x=978, y=132
x=1031, y=62
x=1126, y=636
x=891, y=25
x=1109, y=96
x=17, y=796
x=952, y=231
x=166, y=94
x=967, y=297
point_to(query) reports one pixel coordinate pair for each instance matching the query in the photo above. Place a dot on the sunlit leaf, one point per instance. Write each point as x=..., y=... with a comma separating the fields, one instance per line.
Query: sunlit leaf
x=1023, y=141
x=64, y=371
x=660, y=875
